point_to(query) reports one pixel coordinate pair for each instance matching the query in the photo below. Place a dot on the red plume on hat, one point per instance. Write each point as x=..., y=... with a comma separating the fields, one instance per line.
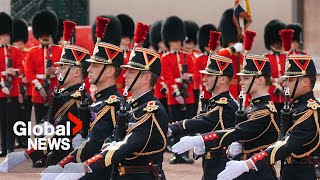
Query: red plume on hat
x=286, y=38
x=214, y=40
x=101, y=27
x=140, y=33
x=68, y=28
x=248, y=40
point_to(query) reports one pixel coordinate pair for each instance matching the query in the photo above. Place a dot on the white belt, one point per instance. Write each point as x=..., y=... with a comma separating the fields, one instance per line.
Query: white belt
x=43, y=76
x=4, y=73
x=178, y=80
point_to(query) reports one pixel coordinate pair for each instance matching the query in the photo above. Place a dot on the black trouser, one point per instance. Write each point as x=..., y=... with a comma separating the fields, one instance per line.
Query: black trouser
x=298, y=172
x=196, y=94
x=267, y=173
x=176, y=114
x=25, y=116
x=8, y=117
x=40, y=111
x=212, y=167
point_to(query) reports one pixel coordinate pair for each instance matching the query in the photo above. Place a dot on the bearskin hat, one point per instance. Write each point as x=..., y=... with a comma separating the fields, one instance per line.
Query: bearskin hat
x=203, y=35
x=45, y=22
x=155, y=34
x=172, y=30
x=20, y=30
x=113, y=31
x=191, y=31
x=127, y=25
x=227, y=28
x=271, y=32
x=298, y=32
x=6, y=24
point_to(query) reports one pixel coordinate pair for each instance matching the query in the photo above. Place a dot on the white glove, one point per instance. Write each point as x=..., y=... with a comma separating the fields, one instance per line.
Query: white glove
x=234, y=149
x=187, y=143
x=51, y=172
x=199, y=150
x=233, y=170
x=238, y=47
x=13, y=160
x=77, y=141
x=72, y=171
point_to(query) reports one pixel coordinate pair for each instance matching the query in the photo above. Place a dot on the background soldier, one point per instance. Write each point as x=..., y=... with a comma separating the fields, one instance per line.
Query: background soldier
x=39, y=61
x=72, y=70
x=300, y=163
x=103, y=72
x=140, y=154
x=177, y=71
x=11, y=67
x=219, y=115
x=127, y=31
x=257, y=130
x=277, y=59
x=231, y=48
x=19, y=39
x=297, y=40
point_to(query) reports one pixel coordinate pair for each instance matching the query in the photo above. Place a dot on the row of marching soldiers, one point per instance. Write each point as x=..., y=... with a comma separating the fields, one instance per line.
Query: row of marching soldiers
x=127, y=139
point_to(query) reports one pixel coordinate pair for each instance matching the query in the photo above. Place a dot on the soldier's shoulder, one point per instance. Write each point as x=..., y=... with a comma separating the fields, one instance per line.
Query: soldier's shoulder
x=313, y=104
x=152, y=106
x=222, y=101
x=34, y=48
x=113, y=99
x=271, y=107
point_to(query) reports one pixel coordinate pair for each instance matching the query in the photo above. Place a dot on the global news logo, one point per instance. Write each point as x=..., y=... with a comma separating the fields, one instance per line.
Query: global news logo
x=48, y=136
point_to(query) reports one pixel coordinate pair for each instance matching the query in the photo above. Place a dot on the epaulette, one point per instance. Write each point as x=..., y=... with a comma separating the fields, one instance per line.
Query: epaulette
x=76, y=94
x=272, y=107
x=197, y=55
x=112, y=99
x=222, y=100
x=34, y=47
x=312, y=104
x=165, y=54
x=129, y=99
x=151, y=106
x=53, y=45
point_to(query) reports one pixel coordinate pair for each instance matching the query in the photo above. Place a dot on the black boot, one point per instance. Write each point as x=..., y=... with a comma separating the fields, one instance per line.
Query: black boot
x=40, y=163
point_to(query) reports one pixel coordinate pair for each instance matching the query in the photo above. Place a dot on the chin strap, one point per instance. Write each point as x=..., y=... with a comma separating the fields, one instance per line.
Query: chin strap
x=250, y=86
x=101, y=72
x=62, y=80
x=295, y=87
x=214, y=84
x=134, y=81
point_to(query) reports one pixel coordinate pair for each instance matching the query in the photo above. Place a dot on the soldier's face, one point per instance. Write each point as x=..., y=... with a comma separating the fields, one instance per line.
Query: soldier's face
x=175, y=45
x=245, y=83
x=62, y=71
x=125, y=41
x=208, y=81
x=162, y=46
x=19, y=44
x=290, y=83
x=94, y=71
x=4, y=38
x=294, y=45
x=45, y=39
x=189, y=45
x=129, y=77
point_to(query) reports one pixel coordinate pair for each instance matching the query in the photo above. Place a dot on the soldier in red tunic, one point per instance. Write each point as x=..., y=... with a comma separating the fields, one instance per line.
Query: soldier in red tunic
x=39, y=61
x=10, y=68
x=231, y=48
x=277, y=59
x=177, y=71
x=19, y=39
x=297, y=40
x=127, y=31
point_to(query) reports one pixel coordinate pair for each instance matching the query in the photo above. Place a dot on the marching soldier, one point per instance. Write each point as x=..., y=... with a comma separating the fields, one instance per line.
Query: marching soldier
x=72, y=70
x=300, y=147
x=177, y=71
x=231, y=48
x=220, y=113
x=160, y=89
x=103, y=120
x=201, y=61
x=19, y=39
x=256, y=130
x=277, y=59
x=127, y=31
x=10, y=68
x=297, y=40
x=140, y=154
x=39, y=69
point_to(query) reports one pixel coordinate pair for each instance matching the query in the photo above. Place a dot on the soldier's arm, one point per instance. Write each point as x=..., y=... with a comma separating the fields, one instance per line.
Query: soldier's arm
x=18, y=61
x=303, y=135
x=256, y=125
x=168, y=76
x=29, y=70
